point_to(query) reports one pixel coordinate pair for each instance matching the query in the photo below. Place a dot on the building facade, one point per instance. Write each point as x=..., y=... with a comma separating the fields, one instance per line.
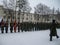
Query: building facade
x=1, y=11
x=30, y=17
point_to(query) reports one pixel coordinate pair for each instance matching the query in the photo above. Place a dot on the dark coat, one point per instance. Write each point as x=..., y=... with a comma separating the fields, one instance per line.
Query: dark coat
x=6, y=26
x=15, y=26
x=2, y=25
x=19, y=26
x=11, y=26
x=53, y=31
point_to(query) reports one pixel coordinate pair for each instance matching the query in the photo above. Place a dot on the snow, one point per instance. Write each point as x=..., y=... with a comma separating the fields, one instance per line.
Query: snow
x=29, y=38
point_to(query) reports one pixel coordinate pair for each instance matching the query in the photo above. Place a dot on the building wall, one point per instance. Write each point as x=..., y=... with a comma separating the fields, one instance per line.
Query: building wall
x=26, y=17
x=1, y=11
x=30, y=17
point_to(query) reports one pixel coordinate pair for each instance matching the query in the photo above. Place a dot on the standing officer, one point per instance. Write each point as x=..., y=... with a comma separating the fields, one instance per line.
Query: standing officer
x=2, y=26
x=11, y=26
x=15, y=25
x=22, y=27
x=6, y=27
x=19, y=27
x=53, y=31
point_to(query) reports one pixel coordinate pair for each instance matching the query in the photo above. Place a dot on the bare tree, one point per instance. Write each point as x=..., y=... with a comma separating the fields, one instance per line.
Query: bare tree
x=5, y=7
x=42, y=9
x=58, y=12
x=23, y=6
x=53, y=10
x=26, y=8
x=9, y=7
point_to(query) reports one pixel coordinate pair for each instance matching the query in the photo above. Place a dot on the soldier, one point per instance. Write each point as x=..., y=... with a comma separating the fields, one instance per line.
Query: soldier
x=19, y=26
x=22, y=27
x=6, y=27
x=2, y=26
x=11, y=26
x=15, y=25
x=53, y=31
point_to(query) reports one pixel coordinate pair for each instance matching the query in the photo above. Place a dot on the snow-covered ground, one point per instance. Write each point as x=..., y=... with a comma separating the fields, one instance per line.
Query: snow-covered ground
x=29, y=38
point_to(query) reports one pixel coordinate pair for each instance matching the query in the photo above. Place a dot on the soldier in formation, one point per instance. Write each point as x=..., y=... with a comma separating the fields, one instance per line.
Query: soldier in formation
x=11, y=26
x=6, y=27
x=19, y=26
x=15, y=26
x=2, y=26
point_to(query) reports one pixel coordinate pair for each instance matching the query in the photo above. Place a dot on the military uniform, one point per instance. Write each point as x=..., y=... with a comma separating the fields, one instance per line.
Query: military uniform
x=15, y=25
x=53, y=31
x=22, y=27
x=6, y=27
x=19, y=27
x=2, y=26
x=11, y=27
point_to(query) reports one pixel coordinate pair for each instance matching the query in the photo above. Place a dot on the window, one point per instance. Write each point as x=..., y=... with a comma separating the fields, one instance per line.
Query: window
x=26, y=18
x=4, y=17
x=23, y=18
x=4, y=11
x=47, y=19
x=27, y=14
x=8, y=17
x=31, y=18
x=18, y=18
x=37, y=18
x=13, y=17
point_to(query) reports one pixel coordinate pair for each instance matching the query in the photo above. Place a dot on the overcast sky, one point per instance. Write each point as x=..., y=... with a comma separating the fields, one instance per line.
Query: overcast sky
x=50, y=3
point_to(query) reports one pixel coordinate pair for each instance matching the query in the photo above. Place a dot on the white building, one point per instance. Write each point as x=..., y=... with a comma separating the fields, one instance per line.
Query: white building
x=1, y=11
x=30, y=17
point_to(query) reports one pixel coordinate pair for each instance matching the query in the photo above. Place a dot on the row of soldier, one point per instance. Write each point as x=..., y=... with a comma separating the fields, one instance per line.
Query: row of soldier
x=15, y=25
x=12, y=24
x=53, y=31
x=22, y=26
x=5, y=24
